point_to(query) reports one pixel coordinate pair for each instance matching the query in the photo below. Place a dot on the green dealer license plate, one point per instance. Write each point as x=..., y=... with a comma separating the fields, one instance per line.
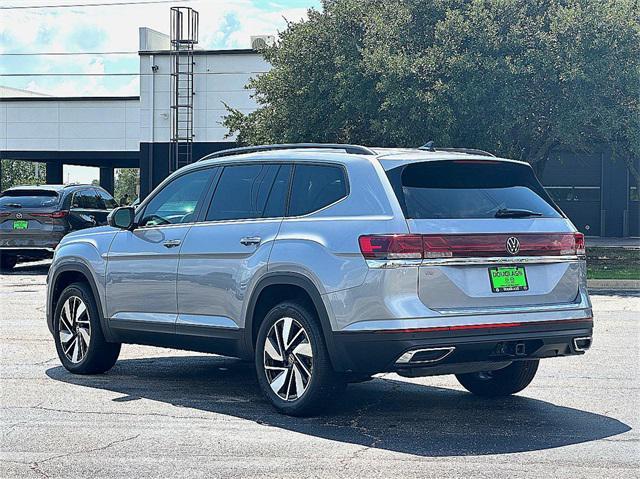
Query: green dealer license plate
x=508, y=278
x=20, y=224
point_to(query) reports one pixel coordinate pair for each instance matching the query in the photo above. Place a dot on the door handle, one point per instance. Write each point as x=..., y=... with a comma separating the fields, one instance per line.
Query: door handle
x=249, y=240
x=171, y=243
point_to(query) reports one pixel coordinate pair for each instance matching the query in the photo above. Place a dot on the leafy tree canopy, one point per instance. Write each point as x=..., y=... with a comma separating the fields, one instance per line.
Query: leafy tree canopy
x=19, y=173
x=516, y=77
x=126, y=182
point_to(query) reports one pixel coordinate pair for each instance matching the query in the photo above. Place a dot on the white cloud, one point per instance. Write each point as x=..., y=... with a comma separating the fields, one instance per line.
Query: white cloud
x=223, y=24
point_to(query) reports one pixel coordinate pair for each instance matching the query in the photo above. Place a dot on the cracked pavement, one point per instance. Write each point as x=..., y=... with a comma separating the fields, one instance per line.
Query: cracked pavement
x=169, y=413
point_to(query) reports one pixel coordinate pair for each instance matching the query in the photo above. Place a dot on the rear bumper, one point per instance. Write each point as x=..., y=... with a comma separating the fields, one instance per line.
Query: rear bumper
x=34, y=244
x=451, y=350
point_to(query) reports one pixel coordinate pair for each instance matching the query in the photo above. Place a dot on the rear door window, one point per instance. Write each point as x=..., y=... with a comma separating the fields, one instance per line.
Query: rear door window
x=25, y=198
x=85, y=200
x=314, y=187
x=250, y=191
x=461, y=189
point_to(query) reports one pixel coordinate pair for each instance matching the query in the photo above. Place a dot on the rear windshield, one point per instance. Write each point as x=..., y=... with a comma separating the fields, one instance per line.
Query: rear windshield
x=468, y=189
x=28, y=199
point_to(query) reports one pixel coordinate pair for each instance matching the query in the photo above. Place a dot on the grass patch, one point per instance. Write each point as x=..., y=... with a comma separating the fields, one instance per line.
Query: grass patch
x=613, y=263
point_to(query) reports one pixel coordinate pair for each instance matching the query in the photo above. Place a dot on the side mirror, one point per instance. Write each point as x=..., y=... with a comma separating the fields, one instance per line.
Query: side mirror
x=122, y=218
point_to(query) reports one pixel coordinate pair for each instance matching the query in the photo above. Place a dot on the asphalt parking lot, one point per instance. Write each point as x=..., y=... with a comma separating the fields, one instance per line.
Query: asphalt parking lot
x=169, y=413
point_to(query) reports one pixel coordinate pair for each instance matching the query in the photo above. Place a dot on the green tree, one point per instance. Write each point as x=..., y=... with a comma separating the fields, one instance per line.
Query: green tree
x=18, y=172
x=126, y=182
x=517, y=77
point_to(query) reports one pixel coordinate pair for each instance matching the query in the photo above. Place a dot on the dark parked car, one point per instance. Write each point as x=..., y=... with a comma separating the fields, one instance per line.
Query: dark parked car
x=33, y=219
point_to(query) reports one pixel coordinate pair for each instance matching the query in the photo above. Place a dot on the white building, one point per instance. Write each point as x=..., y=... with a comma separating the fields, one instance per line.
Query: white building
x=120, y=132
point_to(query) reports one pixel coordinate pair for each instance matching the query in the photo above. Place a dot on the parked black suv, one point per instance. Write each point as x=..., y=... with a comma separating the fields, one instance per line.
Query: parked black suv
x=33, y=219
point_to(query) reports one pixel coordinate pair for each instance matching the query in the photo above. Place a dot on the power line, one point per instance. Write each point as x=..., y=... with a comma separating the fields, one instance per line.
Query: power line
x=26, y=54
x=116, y=74
x=102, y=4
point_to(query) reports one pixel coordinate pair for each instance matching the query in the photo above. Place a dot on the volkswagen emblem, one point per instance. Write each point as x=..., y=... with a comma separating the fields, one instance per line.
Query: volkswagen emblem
x=18, y=215
x=513, y=245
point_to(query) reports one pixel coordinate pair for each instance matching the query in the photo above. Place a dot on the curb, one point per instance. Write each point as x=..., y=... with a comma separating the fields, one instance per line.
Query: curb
x=614, y=284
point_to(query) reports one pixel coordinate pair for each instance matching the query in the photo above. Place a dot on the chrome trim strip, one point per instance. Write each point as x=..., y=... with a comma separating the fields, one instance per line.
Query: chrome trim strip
x=392, y=263
x=408, y=356
x=581, y=302
x=166, y=318
x=206, y=321
x=582, y=350
x=403, y=263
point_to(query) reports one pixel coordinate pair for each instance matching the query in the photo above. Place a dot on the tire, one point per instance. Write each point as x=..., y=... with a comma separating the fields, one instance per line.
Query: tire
x=7, y=262
x=502, y=382
x=76, y=324
x=300, y=381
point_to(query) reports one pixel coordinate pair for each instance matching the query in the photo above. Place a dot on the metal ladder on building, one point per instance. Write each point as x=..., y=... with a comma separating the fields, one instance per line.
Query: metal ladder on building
x=184, y=35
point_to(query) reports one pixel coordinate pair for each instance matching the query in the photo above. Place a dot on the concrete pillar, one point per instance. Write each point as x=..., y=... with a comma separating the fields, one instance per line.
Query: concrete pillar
x=54, y=173
x=107, y=178
x=154, y=166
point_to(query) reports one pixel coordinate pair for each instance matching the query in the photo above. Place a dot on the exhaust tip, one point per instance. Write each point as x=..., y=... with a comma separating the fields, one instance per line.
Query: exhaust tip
x=425, y=355
x=582, y=344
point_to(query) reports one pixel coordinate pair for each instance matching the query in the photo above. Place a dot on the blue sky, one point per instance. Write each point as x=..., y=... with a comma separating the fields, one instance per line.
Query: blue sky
x=223, y=24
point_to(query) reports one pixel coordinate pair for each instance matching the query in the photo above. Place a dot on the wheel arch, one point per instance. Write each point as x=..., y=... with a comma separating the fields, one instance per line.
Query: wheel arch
x=284, y=280
x=65, y=275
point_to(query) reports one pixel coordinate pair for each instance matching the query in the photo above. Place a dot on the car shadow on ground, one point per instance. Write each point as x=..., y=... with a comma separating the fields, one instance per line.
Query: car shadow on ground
x=383, y=413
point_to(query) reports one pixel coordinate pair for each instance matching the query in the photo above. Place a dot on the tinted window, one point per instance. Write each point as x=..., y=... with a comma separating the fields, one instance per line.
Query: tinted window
x=315, y=187
x=28, y=199
x=250, y=191
x=178, y=201
x=107, y=199
x=86, y=200
x=468, y=189
x=276, y=203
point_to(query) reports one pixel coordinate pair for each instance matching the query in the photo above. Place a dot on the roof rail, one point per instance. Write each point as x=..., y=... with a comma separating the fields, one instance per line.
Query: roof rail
x=351, y=149
x=470, y=151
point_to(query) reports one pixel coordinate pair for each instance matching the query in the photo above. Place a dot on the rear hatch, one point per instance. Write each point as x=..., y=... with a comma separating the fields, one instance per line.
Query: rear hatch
x=492, y=238
x=28, y=217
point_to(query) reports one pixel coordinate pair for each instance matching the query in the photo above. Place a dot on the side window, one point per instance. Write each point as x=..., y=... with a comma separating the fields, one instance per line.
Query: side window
x=83, y=200
x=107, y=199
x=76, y=199
x=250, y=191
x=277, y=201
x=98, y=201
x=178, y=201
x=315, y=187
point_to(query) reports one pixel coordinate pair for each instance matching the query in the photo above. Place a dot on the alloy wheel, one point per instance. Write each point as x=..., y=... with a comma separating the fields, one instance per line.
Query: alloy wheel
x=74, y=329
x=288, y=359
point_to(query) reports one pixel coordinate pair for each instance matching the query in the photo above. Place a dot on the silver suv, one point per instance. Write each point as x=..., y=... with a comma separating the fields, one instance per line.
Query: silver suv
x=327, y=264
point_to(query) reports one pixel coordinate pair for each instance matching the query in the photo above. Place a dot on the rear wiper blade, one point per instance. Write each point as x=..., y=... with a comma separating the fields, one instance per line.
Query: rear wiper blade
x=509, y=213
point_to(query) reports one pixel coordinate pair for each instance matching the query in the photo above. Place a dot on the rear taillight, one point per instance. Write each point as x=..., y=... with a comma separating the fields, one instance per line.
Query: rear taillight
x=55, y=214
x=391, y=246
x=412, y=246
x=580, y=245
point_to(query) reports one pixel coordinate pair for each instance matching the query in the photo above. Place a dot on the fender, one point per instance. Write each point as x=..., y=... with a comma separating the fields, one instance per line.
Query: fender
x=77, y=267
x=293, y=279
